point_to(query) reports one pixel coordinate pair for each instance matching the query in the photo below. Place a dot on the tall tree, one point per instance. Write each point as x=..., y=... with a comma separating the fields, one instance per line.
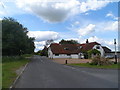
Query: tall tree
x=48, y=42
x=14, y=38
x=68, y=41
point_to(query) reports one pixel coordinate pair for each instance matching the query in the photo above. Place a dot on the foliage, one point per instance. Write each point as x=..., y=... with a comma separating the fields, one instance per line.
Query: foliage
x=68, y=41
x=100, y=61
x=44, y=52
x=48, y=42
x=14, y=38
x=93, y=52
x=85, y=53
x=38, y=52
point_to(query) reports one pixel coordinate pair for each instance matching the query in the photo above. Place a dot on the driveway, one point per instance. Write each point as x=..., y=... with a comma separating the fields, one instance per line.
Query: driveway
x=69, y=61
x=44, y=73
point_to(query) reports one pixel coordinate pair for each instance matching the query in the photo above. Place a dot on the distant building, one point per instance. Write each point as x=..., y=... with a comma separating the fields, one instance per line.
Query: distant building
x=56, y=50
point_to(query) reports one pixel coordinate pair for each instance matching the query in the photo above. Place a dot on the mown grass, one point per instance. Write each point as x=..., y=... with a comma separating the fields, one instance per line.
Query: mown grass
x=9, y=67
x=113, y=66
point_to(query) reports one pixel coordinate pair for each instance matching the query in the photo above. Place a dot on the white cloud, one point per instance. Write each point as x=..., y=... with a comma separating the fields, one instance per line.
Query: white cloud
x=107, y=26
x=50, y=11
x=2, y=13
x=110, y=14
x=43, y=35
x=0, y=18
x=92, y=5
x=39, y=45
x=86, y=30
x=58, y=11
x=77, y=23
x=111, y=26
x=86, y=13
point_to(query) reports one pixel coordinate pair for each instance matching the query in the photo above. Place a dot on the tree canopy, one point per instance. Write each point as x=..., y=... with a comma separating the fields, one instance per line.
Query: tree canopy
x=14, y=38
x=68, y=41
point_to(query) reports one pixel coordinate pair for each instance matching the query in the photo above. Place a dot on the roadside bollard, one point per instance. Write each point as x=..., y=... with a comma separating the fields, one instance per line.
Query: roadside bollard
x=66, y=62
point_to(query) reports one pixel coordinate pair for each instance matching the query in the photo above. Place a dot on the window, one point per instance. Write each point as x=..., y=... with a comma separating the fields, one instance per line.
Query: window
x=68, y=54
x=80, y=46
x=66, y=48
x=56, y=54
x=97, y=47
x=94, y=53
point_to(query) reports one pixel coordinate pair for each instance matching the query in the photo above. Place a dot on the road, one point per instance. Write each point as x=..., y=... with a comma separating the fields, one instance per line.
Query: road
x=44, y=73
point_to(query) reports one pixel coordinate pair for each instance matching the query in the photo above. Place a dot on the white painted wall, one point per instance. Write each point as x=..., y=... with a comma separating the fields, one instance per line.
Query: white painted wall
x=66, y=56
x=61, y=56
x=74, y=56
x=51, y=55
x=101, y=50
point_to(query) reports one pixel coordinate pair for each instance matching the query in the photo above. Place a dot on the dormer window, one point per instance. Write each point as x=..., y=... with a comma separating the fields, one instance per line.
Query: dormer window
x=66, y=48
x=98, y=47
x=79, y=47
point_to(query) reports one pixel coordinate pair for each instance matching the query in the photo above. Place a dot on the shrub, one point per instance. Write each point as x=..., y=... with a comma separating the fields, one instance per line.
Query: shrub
x=85, y=54
x=100, y=61
x=95, y=60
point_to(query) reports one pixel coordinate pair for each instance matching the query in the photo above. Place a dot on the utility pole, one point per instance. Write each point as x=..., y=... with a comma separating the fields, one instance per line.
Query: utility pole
x=115, y=52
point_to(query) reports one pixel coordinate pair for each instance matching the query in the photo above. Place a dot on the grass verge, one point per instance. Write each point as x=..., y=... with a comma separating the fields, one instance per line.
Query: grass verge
x=113, y=66
x=9, y=67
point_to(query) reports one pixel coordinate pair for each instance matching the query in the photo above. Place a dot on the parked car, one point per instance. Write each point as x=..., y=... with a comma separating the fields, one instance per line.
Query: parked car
x=82, y=57
x=108, y=56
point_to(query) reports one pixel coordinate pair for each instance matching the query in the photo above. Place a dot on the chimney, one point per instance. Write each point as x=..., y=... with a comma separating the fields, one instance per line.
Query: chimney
x=87, y=41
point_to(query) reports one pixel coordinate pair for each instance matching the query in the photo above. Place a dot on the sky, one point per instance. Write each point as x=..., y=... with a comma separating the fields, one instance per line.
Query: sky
x=95, y=20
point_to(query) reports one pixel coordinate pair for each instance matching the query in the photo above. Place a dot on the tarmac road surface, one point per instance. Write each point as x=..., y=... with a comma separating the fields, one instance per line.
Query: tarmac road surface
x=42, y=72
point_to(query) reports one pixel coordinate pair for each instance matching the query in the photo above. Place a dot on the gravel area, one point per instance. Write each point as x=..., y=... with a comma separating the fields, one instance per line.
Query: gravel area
x=69, y=61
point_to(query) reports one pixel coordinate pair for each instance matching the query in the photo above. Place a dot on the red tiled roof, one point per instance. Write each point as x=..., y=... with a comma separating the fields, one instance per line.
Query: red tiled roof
x=89, y=46
x=71, y=48
x=61, y=48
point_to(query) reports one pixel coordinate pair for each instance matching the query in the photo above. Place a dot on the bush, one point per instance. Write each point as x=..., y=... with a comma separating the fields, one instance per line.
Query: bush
x=85, y=55
x=95, y=60
x=100, y=61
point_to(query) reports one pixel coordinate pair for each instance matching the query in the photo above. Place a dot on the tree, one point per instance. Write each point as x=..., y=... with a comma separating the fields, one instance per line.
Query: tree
x=85, y=53
x=48, y=42
x=68, y=41
x=14, y=38
x=44, y=52
x=38, y=52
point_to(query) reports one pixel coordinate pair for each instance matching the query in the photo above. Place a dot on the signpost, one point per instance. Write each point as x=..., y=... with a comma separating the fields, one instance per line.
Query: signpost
x=115, y=52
